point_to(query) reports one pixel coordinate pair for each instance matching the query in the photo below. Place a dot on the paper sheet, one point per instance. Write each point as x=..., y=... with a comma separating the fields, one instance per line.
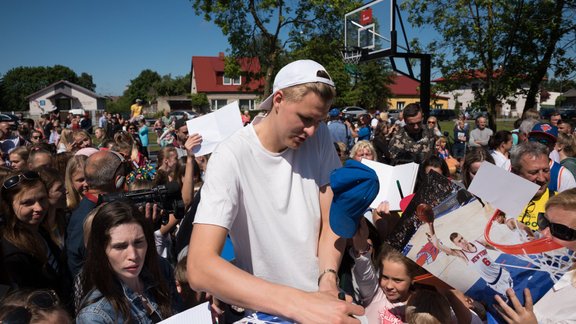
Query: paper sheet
x=215, y=127
x=405, y=174
x=502, y=189
x=198, y=314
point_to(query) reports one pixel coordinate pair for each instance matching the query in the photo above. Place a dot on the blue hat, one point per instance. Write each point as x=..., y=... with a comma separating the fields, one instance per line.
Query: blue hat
x=334, y=112
x=545, y=129
x=355, y=186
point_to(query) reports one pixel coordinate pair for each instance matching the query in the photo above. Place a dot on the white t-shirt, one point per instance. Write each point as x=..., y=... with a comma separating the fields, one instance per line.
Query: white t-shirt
x=500, y=160
x=558, y=305
x=270, y=204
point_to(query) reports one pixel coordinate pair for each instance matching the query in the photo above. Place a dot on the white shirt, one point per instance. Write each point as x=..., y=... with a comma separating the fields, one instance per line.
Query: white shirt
x=270, y=204
x=559, y=304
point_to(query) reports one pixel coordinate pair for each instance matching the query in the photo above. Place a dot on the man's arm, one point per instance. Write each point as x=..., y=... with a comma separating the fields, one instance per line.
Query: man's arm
x=472, y=140
x=330, y=245
x=207, y=271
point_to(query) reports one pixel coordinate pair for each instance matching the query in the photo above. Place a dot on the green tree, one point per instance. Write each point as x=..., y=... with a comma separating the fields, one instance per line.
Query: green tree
x=500, y=44
x=266, y=28
x=199, y=101
x=20, y=82
x=143, y=86
x=169, y=86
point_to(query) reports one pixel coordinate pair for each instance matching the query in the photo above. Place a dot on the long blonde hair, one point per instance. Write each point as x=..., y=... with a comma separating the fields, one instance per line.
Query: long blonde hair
x=75, y=163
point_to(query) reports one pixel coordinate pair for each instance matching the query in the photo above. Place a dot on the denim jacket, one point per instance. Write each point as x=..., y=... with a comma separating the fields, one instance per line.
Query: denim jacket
x=100, y=310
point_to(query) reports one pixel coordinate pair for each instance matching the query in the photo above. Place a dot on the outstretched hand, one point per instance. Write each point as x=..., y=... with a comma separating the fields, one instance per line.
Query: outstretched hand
x=518, y=314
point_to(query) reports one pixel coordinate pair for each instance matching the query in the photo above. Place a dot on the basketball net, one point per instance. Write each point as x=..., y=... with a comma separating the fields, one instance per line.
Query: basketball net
x=542, y=254
x=351, y=56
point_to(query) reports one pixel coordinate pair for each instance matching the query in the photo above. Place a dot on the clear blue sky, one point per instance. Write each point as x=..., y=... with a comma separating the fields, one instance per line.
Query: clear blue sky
x=112, y=40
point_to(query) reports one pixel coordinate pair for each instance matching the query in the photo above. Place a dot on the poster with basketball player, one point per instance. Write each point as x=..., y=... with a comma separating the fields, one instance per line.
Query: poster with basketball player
x=475, y=248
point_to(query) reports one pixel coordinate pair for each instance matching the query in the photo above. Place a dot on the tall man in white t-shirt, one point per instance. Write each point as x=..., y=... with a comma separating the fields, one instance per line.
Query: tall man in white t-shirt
x=267, y=186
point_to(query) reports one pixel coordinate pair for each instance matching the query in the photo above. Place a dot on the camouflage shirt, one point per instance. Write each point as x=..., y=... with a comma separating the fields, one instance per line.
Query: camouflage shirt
x=402, y=142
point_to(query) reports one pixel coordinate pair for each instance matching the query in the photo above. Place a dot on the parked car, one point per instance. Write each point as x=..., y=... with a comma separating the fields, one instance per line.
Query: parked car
x=443, y=114
x=475, y=113
x=179, y=114
x=545, y=113
x=567, y=112
x=353, y=112
x=393, y=113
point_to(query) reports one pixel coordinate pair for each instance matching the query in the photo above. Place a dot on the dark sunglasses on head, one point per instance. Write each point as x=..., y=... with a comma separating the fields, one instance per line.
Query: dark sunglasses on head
x=539, y=140
x=15, y=180
x=559, y=231
x=42, y=299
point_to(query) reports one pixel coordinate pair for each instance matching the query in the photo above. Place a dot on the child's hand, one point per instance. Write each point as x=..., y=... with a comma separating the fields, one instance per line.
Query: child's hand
x=360, y=240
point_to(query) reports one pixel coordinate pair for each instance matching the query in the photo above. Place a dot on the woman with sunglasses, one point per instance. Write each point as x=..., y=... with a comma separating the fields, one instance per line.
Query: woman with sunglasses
x=39, y=306
x=123, y=278
x=29, y=256
x=558, y=305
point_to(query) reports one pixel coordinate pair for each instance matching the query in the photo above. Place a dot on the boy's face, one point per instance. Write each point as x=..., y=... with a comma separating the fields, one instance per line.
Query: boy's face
x=296, y=121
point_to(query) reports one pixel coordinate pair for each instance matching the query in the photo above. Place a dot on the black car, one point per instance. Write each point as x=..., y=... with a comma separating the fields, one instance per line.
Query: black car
x=567, y=112
x=443, y=114
x=545, y=113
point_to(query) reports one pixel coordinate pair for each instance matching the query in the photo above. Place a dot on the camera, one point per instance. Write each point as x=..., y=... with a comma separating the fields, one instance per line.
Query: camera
x=167, y=197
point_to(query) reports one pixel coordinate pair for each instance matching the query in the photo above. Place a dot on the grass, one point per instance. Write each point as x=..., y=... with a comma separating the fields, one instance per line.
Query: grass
x=501, y=124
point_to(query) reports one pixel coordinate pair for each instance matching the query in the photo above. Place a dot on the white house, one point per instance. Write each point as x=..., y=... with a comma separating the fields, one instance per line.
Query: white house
x=512, y=106
x=64, y=95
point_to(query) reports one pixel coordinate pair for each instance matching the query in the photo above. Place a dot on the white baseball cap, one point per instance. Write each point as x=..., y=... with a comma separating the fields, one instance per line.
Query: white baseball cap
x=295, y=73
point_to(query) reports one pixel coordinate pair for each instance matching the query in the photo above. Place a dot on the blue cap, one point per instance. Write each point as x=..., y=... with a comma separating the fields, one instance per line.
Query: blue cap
x=355, y=186
x=544, y=129
x=334, y=112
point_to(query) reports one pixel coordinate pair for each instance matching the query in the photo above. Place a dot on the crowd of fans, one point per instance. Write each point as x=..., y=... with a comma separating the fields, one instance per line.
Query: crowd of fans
x=76, y=244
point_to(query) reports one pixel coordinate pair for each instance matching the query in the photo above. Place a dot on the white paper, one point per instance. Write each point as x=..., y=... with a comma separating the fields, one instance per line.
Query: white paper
x=197, y=314
x=215, y=127
x=387, y=176
x=502, y=189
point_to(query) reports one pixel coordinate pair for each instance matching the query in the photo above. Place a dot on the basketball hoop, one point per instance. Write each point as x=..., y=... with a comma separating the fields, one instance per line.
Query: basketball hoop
x=543, y=253
x=351, y=55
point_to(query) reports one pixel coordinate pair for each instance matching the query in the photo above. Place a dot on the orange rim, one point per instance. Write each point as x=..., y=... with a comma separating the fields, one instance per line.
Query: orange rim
x=540, y=245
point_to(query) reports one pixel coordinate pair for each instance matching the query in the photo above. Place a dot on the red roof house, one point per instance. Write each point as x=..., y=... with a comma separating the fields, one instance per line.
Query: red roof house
x=208, y=77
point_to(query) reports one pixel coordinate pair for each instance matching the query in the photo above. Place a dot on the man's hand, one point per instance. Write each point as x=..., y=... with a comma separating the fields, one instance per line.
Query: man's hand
x=192, y=141
x=152, y=212
x=323, y=307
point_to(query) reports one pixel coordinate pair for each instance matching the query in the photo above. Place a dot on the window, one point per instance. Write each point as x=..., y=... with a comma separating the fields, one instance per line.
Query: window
x=216, y=104
x=438, y=106
x=247, y=104
x=232, y=81
x=400, y=105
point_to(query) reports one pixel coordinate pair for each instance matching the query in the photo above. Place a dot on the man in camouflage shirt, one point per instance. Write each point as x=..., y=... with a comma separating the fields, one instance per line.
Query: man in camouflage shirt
x=413, y=141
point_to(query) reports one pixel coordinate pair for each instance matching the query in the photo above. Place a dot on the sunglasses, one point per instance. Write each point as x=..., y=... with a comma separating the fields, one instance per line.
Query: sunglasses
x=15, y=180
x=43, y=299
x=539, y=140
x=432, y=122
x=559, y=231
x=36, y=137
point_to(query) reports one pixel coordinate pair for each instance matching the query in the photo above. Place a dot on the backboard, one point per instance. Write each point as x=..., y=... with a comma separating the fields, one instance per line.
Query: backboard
x=369, y=29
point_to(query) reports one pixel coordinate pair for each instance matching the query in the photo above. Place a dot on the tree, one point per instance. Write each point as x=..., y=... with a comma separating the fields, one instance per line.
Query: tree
x=143, y=86
x=256, y=28
x=20, y=82
x=502, y=44
x=199, y=101
x=169, y=86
